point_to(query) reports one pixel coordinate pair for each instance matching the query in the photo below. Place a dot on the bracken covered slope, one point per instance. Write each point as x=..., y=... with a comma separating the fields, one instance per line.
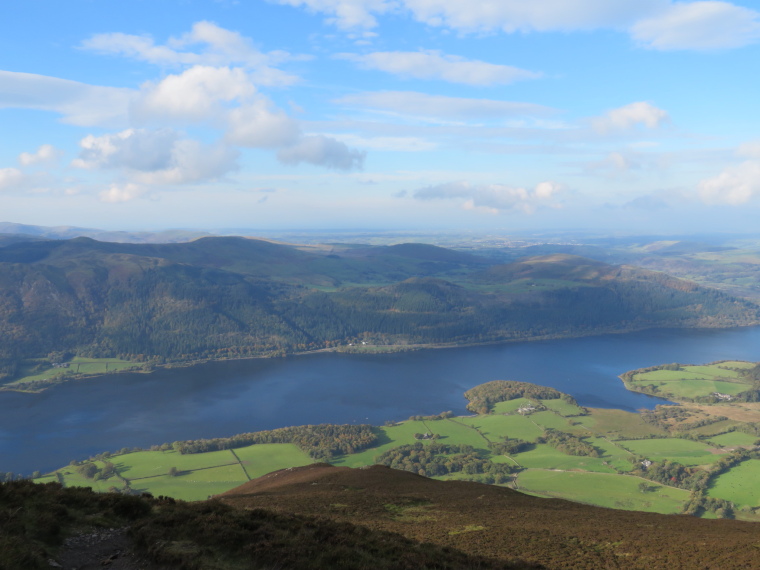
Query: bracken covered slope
x=501, y=523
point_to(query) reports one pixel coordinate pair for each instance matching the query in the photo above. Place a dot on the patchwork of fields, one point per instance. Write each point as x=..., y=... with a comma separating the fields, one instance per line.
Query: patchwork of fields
x=558, y=449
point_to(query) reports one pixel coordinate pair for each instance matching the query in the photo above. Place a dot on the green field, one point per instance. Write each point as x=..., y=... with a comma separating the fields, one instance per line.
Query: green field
x=77, y=365
x=264, y=458
x=546, y=457
x=143, y=464
x=618, y=423
x=511, y=406
x=739, y=485
x=604, y=490
x=683, y=451
x=194, y=485
x=692, y=381
x=563, y=408
x=733, y=439
x=498, y=427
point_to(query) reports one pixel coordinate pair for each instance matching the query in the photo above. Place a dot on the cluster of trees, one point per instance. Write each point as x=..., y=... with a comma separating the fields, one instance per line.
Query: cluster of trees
x=322, y=442
x=664, y=416
x=568, y=443
x=510, y=446
x=436, y=459
x=90, y=470
x=483, y=397
x=699, y=502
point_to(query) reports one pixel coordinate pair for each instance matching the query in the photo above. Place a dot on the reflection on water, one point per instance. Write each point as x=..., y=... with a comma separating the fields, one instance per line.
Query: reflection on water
x=78, y=419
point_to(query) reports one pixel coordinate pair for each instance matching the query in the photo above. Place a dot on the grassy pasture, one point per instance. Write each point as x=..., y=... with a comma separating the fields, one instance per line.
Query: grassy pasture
x=77, y=365
x=547, y=419
x=455, y=433
x=696, y=388
x=604, y=490
x=716, y=428
x=510, y=406
x=264, y=458
x=195, y=485
x=617, y=423
x=683, y=451
x=736, y=364
x=733, y=439
x=496, y=427
x=616, y=456
x=739, y=485
x=562, y=408
x=712, y=370
x=153, y=463
x=546, y=457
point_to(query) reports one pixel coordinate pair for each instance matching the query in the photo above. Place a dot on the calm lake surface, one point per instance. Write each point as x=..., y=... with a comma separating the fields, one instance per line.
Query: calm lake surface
x=79, y=419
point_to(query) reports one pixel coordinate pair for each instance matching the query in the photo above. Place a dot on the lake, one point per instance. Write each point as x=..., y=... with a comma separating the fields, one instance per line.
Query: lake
x=82, y=418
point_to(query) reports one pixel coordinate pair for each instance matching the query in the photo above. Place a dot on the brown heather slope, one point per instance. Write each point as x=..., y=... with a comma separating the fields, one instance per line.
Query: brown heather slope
x=497, y=522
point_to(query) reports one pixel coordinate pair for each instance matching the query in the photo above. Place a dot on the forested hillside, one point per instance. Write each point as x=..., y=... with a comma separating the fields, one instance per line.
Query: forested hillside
x=230, y=297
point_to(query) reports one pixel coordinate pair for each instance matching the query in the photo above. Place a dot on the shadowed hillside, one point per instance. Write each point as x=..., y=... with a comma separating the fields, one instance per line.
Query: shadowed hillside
x=502, y=523
x=229, y=297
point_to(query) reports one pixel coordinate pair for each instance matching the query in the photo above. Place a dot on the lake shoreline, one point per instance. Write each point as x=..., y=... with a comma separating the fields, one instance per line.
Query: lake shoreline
x=348, y=349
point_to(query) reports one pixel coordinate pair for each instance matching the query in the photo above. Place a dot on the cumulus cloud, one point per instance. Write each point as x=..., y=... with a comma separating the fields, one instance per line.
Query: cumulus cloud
x=78, y=103
x=734, y=186
x=656, y=24
x=218, y=47
x=698, y=26
x=156, y=157
x=322, y=151
x=260, y=124
x=46, y=154
x=197, y=94
x=122, y=193
x=11, y=178
x=432, y=64
x=495, y=198
x=422, y=104
x=345, y=14
x=628, y=116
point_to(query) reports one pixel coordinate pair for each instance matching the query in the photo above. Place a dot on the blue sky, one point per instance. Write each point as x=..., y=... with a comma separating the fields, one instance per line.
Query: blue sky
x=632, y=115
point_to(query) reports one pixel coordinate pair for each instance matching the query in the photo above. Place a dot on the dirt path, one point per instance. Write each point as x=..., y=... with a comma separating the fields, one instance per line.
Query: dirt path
x=108, y=548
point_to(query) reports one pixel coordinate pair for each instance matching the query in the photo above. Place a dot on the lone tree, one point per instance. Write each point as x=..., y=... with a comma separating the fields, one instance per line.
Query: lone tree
x=173, y=472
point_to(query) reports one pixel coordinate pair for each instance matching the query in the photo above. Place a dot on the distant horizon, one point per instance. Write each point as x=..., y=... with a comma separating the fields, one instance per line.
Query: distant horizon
x=626, y=116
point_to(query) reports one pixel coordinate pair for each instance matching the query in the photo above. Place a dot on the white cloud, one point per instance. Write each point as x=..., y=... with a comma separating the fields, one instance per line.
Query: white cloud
x=698, y=26
x=122, y=193
x=431, y=64
x=750, y=149
x=628, y=116
x=394, y=144
x=46, y=154
x=156, y=157
x=197, y=94
x=218, y=47
x=345, y=14
x=322, y=151
x=422, y=104
x=734, y=186
x=11, y=178
x=79, y=103
x=495, y=198
x=260, y=124
x=657, y=24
